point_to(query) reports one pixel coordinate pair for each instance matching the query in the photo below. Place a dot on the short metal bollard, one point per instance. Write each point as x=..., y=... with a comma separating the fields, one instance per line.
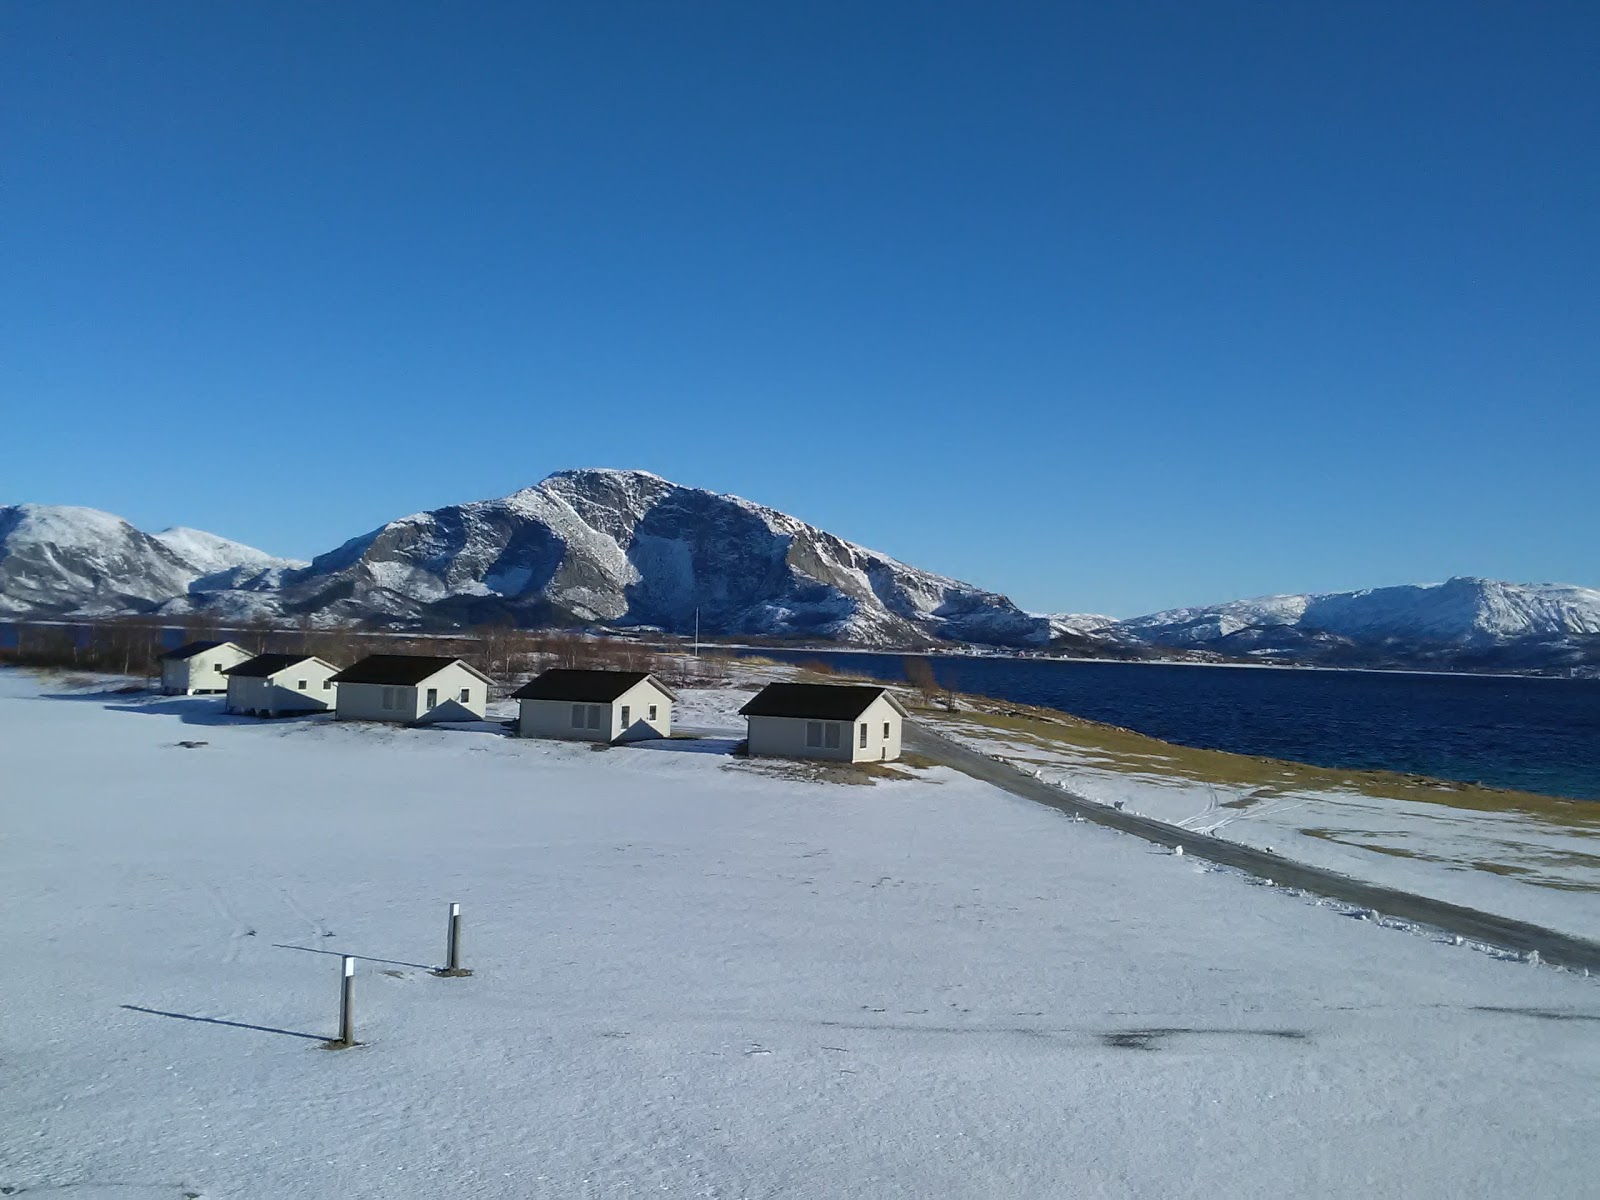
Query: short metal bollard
x=452, y=968
x=347, y=1011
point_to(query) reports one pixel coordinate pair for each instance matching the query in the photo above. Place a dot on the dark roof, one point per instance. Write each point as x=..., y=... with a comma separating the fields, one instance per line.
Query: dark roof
x=585, y=687
x=403, y=669
x=190, y=649
x=263, y=665
x=815, y=701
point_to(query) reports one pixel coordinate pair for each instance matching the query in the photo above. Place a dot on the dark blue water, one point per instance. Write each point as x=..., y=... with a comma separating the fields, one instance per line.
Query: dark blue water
x=1539, y=735
x=172, y=636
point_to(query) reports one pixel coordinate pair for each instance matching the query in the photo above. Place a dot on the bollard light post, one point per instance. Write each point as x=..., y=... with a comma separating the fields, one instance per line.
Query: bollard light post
x=347, y=1012
x=452, y=968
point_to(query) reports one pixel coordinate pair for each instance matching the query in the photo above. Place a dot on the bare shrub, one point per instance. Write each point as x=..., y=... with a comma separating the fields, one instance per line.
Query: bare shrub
x=919, y=674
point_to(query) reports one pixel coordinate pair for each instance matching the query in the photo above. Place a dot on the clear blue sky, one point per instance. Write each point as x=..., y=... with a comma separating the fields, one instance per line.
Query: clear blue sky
x=1107, y=306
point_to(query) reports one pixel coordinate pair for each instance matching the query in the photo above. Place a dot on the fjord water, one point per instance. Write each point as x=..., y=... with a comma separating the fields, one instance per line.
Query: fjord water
x=1537, y=735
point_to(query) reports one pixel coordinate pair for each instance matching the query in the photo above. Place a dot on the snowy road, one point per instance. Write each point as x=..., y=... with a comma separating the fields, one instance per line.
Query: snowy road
x=1552, y=946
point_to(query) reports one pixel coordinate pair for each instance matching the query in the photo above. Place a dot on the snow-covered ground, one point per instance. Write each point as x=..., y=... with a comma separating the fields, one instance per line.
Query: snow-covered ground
x=1532, y=866
x=713, y=709
x=694, y=978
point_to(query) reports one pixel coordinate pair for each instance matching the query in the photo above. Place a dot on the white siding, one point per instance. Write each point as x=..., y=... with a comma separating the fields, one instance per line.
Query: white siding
x=787, y=737
x=282, y=693
x=449, y=684
x=637, y=700
x=365, y=701
x=201, y=672
x=885, y=729
x=554, y=718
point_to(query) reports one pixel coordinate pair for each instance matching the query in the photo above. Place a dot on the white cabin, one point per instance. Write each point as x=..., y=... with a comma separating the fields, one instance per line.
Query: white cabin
x=199, y=667
x=595, y=706
x=271, y=685
x=409, y=688
x=837, y=722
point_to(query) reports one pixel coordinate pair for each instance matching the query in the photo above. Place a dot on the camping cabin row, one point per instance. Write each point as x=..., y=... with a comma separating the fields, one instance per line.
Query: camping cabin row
x=381, y=687
x=842, y=723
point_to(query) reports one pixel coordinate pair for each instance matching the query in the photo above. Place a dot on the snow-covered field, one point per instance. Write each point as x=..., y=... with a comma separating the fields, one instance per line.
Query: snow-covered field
x=694, y=978
x=1531, y=866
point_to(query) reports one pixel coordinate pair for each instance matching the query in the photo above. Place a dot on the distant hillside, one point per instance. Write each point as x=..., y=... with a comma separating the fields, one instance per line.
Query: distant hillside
x=1461, y=624
x=57, y=560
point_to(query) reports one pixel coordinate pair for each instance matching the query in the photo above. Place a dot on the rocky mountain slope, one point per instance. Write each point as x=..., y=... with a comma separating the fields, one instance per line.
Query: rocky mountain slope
x=58, y=560
x=220, y=561
x=630, y=550
x=1461, y=623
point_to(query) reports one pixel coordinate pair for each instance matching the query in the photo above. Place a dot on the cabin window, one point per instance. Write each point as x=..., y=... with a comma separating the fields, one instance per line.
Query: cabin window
x=814, y=733
x=390, y=699
x=578, y=716
x=652, y=712
x=302, y=685
x=327, y=685
x=886, y=731
x=433, y=697
x=466, y=695
x=863, y=735
x=830, y=736
x=625, y=715
x=217, y=667
x=594, y=716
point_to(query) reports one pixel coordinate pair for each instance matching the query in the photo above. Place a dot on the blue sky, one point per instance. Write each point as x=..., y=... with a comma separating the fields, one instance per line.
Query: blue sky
x=1109, y=307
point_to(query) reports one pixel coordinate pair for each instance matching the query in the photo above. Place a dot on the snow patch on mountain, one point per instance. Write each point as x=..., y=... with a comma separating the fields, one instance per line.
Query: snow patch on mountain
x=631, y=549
x=1465, y=611
x=1075, y=624
x=62, y=560
x=209, y=554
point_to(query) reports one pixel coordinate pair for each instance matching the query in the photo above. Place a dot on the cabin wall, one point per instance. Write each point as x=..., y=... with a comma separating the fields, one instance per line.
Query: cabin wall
x=201, y=672
x=785, y=737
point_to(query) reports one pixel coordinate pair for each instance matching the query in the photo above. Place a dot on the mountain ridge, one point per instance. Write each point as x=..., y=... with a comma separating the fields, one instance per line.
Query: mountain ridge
x=627, y=549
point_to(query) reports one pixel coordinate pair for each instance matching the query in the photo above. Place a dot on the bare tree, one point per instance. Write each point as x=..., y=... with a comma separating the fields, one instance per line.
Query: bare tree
x=919, y=674
x=200, y=626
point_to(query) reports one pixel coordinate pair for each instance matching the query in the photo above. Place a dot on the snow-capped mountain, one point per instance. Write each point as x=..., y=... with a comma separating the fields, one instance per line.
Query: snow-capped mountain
x=630, y=549
x=1462, y=622
x=219, y=561
x=1076, y=623
x=59, y=560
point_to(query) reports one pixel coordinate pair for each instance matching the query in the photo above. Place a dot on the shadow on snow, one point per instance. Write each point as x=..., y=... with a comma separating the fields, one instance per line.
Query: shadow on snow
x=158, y=1012
x=191, y=710
x=393, y=962
x=688, y=745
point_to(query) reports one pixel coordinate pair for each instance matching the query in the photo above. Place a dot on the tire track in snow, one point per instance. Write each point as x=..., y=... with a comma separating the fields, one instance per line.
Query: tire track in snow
x=226, y=912
x=1552, y=947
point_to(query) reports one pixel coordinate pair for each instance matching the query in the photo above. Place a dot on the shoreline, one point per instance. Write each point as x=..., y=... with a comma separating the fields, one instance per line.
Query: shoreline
x=977, y=702
x=472, y=633
x=1149, y=662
